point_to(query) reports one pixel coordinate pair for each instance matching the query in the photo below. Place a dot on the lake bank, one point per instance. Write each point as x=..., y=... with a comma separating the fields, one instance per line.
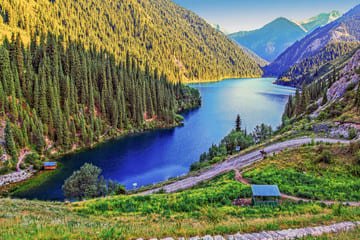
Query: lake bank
x=158, y=155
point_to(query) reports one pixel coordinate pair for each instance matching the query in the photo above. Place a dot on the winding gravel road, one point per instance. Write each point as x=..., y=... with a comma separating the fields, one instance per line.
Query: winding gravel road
x=237, y=163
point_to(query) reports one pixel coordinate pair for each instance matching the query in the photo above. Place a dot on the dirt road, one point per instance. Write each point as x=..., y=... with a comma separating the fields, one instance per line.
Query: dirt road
x=237, y=163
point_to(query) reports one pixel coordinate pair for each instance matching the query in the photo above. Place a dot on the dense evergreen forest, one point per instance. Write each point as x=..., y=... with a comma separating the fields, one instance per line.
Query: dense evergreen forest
x=170, y=38
x=59, y=97
x=308, y=69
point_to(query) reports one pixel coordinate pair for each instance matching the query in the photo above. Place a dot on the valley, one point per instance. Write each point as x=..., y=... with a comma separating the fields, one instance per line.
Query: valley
x=162, y=126
x=120, y=158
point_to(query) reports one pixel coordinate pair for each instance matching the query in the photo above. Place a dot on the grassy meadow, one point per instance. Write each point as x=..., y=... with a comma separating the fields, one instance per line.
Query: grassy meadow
x=205, y=209
x=319, y=172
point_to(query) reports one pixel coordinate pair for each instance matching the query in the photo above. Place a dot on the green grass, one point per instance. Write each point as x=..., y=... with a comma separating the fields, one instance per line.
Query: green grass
x=205, y=209
x=300, y=172
x=36, y=180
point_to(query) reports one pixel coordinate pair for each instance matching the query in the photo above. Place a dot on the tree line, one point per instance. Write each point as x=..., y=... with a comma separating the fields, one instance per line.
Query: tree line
x=60, y=95
x=171, y=38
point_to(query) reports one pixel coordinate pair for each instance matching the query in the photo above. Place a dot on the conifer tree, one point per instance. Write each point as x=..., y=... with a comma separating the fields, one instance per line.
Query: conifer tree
x=10, y=142
x=238, y=123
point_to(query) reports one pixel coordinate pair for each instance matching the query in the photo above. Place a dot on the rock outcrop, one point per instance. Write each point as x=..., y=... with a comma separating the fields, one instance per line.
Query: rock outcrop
x=16, y=177
x=348, y=77
x=282, y=234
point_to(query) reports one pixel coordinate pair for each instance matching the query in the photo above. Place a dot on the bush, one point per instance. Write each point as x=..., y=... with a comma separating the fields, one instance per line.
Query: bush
x=325, y=157
x=35, y=160
x=354, y=147
x=352, y=133
x=312, y=108
x=87, y=183
x=351, y=86
x=357, y=157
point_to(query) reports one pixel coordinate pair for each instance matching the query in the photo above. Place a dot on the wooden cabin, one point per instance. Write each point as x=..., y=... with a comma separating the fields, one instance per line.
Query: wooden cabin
x=50, y=165
x=265, y=195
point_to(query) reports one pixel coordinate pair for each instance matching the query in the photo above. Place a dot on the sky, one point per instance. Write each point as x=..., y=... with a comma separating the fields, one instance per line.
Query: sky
x=235, y=15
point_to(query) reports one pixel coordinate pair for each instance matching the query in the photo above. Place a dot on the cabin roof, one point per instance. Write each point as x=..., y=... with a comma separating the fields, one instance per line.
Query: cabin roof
x=265, y=191
x=49, y=164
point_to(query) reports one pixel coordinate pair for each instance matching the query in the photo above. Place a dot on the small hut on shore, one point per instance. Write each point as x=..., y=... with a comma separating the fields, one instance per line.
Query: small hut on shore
x=50, y=165
x=265, y=195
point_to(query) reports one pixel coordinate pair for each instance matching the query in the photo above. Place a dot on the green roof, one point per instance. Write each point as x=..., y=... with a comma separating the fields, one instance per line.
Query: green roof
x=265, y=191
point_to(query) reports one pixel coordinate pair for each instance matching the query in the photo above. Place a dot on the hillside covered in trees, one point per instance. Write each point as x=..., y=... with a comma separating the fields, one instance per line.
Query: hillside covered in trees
x=54, y=98
x=308, y=69
x=331, y=96
x=168, y=37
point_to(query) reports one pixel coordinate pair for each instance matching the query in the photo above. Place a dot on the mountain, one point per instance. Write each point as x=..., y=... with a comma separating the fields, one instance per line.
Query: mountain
x=272, y=39
x=259, y=60
x=169, y=37
x=319, y=20
x=344, y=29
x=220, y=28
x=332, y=96
x=309, y=68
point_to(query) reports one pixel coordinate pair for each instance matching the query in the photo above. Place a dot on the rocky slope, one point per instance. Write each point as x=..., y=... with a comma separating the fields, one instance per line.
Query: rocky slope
x=329, y=57
x=348, y=76
x=344, y=29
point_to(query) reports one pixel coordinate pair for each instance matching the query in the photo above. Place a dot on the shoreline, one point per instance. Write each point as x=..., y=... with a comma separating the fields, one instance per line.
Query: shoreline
x=222, y=79
x=9, y=188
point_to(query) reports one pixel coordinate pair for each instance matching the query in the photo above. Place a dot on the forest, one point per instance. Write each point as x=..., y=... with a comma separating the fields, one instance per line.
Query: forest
x=168, y=37
x=310, y=68
x=57, y=97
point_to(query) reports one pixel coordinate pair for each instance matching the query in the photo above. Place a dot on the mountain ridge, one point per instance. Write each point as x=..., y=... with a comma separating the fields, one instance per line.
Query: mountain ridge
x=172, y=39
x=319, y=20
x=268, y=42
x=343, y=29
x=271, y=40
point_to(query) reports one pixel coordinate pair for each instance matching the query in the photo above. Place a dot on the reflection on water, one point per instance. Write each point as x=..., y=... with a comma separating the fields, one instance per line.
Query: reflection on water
x=158, y=155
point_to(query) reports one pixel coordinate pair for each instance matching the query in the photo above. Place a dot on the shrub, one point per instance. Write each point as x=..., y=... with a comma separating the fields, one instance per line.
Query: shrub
x=357, y=157
x=322, y=116
x=352, y=133
x=312, y=108
x=354, y=147
x=35, y=160
x=350, y=86
x=325, y=157
x=87, y=183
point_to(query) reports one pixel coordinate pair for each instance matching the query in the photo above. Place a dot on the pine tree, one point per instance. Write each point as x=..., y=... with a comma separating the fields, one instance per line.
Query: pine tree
x=70, y=95
x=10, y=145
x=324, y=99
x=238, y=123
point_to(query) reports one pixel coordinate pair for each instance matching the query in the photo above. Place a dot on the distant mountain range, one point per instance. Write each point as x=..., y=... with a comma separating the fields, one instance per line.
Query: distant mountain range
x=271, y=40
x=320, y=20
x=321, y=45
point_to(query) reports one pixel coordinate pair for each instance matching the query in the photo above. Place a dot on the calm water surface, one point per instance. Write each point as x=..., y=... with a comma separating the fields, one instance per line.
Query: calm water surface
x=155, y=156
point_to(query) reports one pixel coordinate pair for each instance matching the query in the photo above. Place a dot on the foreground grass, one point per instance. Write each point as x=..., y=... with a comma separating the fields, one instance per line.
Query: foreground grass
x=206, y=209
x=302, y=172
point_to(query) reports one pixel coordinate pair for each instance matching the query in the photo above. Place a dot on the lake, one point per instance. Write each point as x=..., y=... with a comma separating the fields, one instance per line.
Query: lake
x=154, y=156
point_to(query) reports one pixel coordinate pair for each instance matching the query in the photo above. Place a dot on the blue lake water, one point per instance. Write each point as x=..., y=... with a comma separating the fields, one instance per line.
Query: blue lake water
x=155, y=156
